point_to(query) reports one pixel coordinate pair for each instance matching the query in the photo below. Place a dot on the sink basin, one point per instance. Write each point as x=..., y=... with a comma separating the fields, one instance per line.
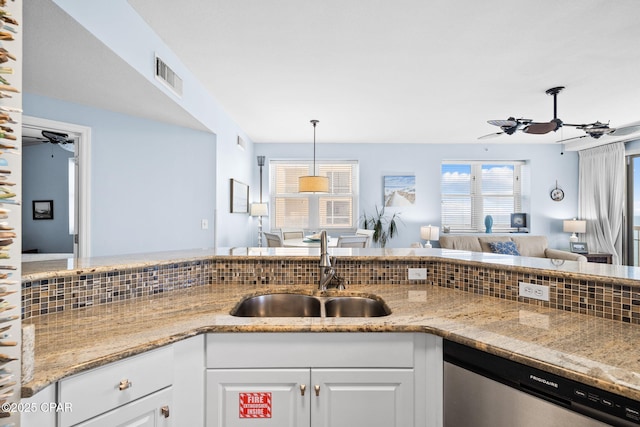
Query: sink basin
x=279, y=305
x=355, y=307
x=300, y=305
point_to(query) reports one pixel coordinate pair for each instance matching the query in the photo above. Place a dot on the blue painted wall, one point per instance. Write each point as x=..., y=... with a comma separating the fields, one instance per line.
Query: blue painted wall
x=546, y=165
x=152, y=183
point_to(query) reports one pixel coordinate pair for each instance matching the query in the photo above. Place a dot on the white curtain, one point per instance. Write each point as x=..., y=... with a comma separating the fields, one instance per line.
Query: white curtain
x=601, y=194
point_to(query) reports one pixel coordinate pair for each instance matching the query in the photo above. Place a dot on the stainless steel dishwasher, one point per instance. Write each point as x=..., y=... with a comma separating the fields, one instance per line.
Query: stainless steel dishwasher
x=481, y=389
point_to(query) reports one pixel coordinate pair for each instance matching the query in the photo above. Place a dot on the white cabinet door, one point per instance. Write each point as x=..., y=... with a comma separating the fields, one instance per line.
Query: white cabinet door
x=150, y=411
x=362, y=397
x=258, y=397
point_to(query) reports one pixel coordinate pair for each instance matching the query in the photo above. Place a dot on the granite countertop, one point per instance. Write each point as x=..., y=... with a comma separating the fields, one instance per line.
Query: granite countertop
x=614, y=274
x=595, y=351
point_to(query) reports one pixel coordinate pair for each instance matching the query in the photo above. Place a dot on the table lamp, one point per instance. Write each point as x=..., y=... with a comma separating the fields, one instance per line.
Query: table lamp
x=574, y=226
x=428, y=233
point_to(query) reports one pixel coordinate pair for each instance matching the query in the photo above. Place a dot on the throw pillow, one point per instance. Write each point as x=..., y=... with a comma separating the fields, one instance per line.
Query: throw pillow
x=504, y=248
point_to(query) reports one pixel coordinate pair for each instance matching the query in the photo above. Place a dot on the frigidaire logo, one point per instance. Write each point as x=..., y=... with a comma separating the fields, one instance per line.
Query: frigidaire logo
x=543, y=381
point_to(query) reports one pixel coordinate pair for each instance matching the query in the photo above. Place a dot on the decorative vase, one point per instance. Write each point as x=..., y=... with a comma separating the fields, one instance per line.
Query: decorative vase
x=488, y=223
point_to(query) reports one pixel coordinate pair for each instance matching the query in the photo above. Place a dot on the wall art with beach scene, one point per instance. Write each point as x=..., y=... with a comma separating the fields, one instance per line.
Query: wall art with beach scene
x=399, y=190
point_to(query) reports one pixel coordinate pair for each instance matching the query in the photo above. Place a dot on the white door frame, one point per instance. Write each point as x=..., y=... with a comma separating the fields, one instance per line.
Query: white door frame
x=83, y=153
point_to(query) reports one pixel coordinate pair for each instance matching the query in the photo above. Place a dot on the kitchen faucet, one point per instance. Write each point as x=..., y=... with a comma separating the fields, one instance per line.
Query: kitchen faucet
x=328, y=276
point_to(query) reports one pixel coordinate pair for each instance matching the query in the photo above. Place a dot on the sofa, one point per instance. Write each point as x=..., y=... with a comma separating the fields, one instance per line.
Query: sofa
x=526, y=245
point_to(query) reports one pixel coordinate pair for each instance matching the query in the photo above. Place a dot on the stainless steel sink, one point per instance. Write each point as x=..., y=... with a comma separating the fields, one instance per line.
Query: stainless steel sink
x=279, y=305
x=300, y=305
x=355, y=307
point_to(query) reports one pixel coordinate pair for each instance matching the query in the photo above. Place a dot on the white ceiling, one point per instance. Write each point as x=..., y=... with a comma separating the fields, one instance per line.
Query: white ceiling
x=403, y=71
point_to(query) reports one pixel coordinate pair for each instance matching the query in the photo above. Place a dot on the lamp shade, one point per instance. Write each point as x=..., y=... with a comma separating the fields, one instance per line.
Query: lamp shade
x=574, y=226
x=429, y=232
x=313, y=184
x=259, y=209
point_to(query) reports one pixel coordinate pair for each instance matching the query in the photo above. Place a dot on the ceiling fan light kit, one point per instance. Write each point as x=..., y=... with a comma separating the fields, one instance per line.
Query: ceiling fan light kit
x=594, y=130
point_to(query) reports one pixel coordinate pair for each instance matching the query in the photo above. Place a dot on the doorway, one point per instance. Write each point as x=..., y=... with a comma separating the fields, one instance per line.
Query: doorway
x=71, y=152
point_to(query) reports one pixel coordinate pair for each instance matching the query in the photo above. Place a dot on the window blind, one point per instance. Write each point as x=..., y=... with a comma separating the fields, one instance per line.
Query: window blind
x=472, y=190
x=333, y=210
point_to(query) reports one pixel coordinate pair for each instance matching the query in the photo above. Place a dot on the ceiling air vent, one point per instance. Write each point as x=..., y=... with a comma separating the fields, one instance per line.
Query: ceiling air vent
x=167, y=76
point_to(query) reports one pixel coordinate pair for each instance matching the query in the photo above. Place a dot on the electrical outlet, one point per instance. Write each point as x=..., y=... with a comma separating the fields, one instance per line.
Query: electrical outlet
x=417, y=274
x=529, y=290
x=204, y=224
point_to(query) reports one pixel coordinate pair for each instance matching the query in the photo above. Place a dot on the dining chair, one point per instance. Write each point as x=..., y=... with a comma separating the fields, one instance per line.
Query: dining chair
x=368, y=233
x=292, y=234
x=273, y=240
x=352, y=241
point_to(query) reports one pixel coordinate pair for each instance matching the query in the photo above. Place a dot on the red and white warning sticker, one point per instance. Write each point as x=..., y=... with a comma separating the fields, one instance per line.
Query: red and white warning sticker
x=255, y=405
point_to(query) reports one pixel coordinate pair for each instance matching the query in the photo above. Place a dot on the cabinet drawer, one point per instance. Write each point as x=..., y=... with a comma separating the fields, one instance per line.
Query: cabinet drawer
x=98, y=391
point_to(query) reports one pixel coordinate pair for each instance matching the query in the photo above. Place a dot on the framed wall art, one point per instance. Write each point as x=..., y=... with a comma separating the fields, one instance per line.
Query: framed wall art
x=239, y=197
x=399, y=190
x=42, y=209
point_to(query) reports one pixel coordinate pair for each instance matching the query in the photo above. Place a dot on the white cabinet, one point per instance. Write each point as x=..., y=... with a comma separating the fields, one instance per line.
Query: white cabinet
x=324, y=380
x=362, y=397
x=111, y=386
x=162, y=387
x=150, y=411
x=188, y=382
x=35, y=410
x=310, y=397
x=278, y=401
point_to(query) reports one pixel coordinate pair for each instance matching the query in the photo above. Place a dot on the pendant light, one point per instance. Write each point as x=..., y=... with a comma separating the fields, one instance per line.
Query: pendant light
x=313, y=184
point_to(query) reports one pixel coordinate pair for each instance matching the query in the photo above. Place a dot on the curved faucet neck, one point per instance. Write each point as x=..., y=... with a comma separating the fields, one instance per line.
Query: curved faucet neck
x=325, y=261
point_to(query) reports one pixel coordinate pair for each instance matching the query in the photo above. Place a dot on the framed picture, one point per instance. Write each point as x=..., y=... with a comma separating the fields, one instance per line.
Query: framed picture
x=43, y=209
x=579, y=247
x=239, y=197
x=518, y=220
x=399, y=190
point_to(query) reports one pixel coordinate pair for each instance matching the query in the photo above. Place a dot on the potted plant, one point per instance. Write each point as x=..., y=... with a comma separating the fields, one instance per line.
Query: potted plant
x=384, y=227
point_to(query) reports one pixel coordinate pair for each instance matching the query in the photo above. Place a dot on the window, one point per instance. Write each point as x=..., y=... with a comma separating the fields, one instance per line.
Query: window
x=333, y=210
x=472, y=190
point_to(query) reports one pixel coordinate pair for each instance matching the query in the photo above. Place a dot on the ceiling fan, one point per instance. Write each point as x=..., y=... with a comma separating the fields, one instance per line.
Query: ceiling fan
x=60, y=139
x=57, y=137
x=594, y=130
x=597, y=129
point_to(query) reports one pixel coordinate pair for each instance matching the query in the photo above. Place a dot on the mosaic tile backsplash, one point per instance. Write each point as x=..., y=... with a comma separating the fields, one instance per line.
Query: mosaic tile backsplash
x=595, y=298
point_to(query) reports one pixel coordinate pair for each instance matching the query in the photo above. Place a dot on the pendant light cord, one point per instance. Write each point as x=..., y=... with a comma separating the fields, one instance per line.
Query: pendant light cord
x=314, y=123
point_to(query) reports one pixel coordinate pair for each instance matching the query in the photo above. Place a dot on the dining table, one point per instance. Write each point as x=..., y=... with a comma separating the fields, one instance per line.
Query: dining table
x=307, y=242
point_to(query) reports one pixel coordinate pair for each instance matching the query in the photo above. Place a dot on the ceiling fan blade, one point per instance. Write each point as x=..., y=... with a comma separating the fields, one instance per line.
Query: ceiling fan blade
x=491, y=135
x=625, y=130
x=503, y=123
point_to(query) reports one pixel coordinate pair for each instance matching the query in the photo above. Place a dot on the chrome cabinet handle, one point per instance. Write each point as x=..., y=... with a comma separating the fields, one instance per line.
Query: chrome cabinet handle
x=317, y=389
x=164, y=411
x=303, y=388
x=125, y=384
